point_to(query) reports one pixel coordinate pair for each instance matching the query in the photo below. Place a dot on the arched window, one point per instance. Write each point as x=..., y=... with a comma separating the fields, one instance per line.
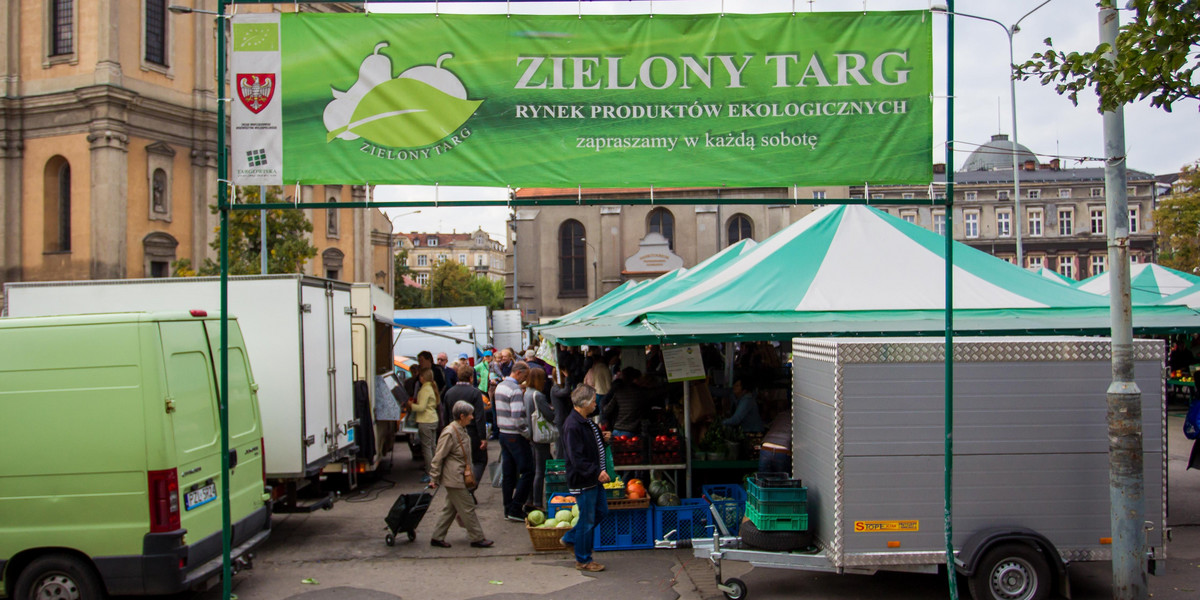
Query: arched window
x=158, y=250
x=572, y=260
x=332, y=260
x=331, y=221
x=739, y=228
x=56, y=208
x=662, y=222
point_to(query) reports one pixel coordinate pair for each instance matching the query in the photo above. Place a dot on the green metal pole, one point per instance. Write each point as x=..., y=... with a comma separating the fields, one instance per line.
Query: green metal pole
x=223, y=399
x=949, y=266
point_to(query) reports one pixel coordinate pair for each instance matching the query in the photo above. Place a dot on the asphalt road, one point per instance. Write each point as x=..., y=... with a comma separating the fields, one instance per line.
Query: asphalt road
x=341, y=554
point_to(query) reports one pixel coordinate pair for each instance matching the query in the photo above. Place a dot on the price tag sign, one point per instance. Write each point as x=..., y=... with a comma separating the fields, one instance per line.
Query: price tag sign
x=683, y=362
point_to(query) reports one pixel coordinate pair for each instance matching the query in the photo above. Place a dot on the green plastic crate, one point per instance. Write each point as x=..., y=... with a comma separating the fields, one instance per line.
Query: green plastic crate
x=777, y=522
x=774, y=492
x=777, y=508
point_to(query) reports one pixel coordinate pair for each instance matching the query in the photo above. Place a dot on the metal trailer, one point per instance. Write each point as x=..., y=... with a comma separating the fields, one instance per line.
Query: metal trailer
x=371, y=343
x=297, y=332
x=1030, y=468
x=451, y=339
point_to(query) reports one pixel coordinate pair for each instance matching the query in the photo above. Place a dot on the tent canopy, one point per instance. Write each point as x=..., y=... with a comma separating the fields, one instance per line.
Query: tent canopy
x=1054, y=276
x=855, y=270
x=1148, y=283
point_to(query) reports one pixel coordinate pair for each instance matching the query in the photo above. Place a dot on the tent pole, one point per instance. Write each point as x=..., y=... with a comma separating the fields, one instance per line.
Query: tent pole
x=687, y=437
x=951, y=573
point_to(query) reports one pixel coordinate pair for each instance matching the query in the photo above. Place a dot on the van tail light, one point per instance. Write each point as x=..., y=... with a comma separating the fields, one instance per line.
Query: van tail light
x=164, y=500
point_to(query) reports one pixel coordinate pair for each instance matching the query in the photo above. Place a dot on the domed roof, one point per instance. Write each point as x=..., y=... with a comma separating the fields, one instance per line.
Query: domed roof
x=996, y=155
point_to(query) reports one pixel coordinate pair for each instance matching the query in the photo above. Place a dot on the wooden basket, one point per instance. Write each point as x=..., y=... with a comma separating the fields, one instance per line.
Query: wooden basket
x=545, y=539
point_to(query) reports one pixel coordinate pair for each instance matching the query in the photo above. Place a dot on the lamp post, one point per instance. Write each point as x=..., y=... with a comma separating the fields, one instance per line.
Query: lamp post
x=595, y=268
x=1012, y=92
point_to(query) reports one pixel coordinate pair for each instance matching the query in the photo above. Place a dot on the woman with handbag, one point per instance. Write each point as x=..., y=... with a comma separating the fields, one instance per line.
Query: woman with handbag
x=542, y=433
x=451, y=468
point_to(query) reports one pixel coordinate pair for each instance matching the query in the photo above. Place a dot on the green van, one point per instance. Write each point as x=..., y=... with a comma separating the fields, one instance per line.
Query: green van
x=110, y=456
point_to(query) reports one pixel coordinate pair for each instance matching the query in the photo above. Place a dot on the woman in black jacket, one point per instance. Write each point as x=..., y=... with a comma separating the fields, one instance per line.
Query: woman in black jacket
x=585, y=475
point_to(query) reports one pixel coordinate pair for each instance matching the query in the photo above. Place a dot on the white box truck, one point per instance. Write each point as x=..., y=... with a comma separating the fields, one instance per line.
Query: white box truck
x=478, y=317
x=297, y=331
x=452, y=339
x=371, y=338
x=506, y=330
x=1030, y=469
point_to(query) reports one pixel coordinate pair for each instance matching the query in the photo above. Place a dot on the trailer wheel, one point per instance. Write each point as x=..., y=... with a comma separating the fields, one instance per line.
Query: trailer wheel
x=1011, y=572
x=389, y=539
x=738, y=589
x=412, y=536
x=60, y=577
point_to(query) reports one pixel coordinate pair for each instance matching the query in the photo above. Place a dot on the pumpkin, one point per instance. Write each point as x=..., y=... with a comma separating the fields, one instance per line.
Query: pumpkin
x=637, y=494
x=668, y=500
x=633, y=481
x=635, y=487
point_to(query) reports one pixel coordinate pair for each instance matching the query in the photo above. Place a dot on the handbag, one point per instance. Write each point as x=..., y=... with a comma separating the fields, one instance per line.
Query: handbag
x=541, y=430
x=1191, y=424
x=468, y=475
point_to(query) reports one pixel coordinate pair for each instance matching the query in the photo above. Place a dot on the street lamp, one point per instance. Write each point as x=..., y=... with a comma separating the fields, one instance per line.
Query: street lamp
x=1012, y=91
x=595, y=269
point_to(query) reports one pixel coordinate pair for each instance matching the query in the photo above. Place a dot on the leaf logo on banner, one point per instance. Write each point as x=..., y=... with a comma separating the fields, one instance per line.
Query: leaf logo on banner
x=421, y=106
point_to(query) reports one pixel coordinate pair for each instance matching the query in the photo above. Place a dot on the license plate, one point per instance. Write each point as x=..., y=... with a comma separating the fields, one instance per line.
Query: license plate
x=200, y=497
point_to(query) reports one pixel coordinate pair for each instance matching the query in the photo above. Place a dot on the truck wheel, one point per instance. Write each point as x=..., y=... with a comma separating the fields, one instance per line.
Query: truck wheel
x=738, y=591
x=59, y=577
x=1011, y=572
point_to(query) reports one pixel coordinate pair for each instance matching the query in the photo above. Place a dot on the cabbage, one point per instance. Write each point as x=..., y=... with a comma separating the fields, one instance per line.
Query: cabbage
x=536, y=517
x=575, y=512
x=563, y=525
x=563, y=515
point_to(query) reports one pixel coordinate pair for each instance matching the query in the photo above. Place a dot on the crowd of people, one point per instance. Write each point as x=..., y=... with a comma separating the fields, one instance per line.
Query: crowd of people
x=536, y=412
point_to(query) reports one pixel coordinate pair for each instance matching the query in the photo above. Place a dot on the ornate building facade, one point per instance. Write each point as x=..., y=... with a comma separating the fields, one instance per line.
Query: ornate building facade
x=108, y=147
x=476, y=250
x=564, y=257
x=1062, y=213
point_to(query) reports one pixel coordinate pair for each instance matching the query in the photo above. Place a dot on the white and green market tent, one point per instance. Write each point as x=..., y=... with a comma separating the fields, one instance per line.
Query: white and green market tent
x=1188, y=297
x=1148, y=283
x=1054, y=276
x=612, y=297
x=855, y=270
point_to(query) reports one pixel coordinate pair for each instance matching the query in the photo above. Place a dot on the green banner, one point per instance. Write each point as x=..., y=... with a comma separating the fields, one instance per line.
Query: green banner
x=604, y=101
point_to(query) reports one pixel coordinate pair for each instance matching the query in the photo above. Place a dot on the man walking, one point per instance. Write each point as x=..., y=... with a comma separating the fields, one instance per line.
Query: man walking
x=516, y=455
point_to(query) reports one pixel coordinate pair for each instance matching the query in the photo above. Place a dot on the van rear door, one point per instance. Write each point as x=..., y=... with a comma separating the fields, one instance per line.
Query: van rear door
x=245, y=427
x=192, y=393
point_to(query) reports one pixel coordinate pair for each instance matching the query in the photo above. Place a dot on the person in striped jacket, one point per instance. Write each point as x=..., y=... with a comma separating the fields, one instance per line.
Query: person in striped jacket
x=516, y=455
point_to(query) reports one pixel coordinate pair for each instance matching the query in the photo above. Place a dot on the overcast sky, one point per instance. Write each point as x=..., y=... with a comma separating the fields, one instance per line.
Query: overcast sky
x=1048, y=124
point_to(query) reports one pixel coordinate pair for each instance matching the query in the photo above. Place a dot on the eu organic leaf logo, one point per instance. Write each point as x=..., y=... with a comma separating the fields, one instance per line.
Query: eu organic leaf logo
x=421, y=106
x=256, y=37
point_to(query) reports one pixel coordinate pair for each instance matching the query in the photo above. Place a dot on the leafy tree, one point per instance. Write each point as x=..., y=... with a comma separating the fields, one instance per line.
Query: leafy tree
x=488, y=292
x=1156, y=58
x=404, y=295
x=288, y=246
x=450, y=284
x=1177, y=219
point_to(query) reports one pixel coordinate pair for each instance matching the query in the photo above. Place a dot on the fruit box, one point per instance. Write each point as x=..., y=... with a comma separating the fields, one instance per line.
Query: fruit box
x=625, y=530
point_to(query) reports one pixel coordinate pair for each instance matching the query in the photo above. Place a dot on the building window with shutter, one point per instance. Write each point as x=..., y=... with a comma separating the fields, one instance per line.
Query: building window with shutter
x=572, y=260
x=971, y=224
x=156, y=32
x=662, y=222
x=1097, y=221
x=1066, y=221
x=62, y=27
x=739, y=228
x=1035, y=222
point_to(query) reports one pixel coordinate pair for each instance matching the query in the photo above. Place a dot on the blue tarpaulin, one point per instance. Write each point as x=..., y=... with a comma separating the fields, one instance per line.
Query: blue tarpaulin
x=422, y=323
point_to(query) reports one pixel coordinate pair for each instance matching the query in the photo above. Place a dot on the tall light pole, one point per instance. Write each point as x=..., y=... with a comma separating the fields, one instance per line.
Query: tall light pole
x=1009, y=30
x=595, y=268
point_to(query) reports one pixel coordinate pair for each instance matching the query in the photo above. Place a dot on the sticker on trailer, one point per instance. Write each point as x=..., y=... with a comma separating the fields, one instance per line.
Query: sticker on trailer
x=886, y=526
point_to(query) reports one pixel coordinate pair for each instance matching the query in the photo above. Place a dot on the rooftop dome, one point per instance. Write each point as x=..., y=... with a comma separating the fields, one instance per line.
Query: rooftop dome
x=996, y=155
